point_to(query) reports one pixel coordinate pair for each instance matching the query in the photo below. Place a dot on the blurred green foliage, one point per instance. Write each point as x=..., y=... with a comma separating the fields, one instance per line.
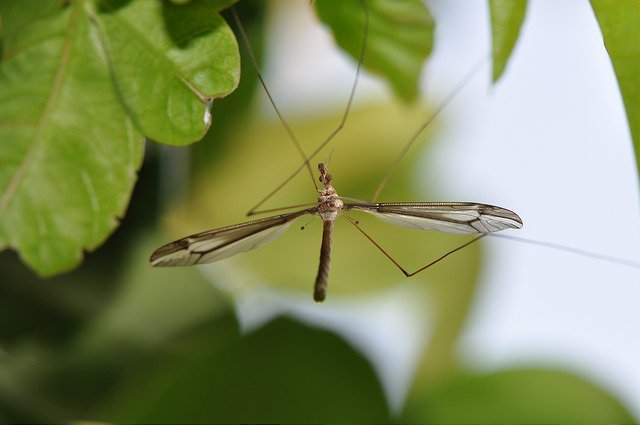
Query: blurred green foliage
x=506, y=19
x=118, y=341
x=533, y=395
x=399, y=37
x=620, y=25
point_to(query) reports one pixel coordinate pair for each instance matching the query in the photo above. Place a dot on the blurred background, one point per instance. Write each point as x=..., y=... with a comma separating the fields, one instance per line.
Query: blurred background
x=503, y=331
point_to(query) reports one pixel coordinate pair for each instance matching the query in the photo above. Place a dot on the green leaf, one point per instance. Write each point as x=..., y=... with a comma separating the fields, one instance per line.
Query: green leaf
x=16, y=15
x=80, y=86
x=169, y=62
x=69, y=153
x=506, y=19
x=620, y=25
x=517, y=396
x=233, y=110
x=283, y=373
x=400, y=38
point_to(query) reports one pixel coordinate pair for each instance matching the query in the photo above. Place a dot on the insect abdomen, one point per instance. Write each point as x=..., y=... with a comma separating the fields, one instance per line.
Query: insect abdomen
x=322, y=279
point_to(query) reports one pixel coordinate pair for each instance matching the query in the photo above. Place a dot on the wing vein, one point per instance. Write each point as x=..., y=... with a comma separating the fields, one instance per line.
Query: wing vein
x=448, y=217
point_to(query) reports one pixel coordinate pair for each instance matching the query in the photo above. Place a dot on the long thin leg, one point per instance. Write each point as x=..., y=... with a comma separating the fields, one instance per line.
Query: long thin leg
x=402, y=269
x=306, y=163
x=284, y=122
x=448, y=98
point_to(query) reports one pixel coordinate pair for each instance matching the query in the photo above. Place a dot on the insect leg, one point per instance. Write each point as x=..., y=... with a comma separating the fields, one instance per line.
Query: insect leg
x=402, y=269
x=448, y=98
x=306, y=164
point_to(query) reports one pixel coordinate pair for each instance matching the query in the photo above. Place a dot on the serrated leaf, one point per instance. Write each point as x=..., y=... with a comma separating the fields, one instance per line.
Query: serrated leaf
x=69, y=153
x=620, y=26
x=506, y=20
x=169, y=62
x=516, y=396
x=75, y=92
x=399, y=41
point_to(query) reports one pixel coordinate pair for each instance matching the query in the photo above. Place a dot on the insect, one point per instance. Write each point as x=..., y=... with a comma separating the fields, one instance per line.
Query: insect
x=449, y=217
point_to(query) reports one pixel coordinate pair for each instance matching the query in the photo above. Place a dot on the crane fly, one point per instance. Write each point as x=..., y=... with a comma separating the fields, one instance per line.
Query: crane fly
x=448, y=217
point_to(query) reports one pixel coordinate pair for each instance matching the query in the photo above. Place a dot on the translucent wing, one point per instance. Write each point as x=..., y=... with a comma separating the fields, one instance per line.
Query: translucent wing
x=216, y=244
x=448, y=217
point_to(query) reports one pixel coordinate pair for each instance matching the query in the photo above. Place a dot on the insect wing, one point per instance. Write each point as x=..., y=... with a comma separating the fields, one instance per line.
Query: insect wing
x=448, y=217
x=217, y=244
